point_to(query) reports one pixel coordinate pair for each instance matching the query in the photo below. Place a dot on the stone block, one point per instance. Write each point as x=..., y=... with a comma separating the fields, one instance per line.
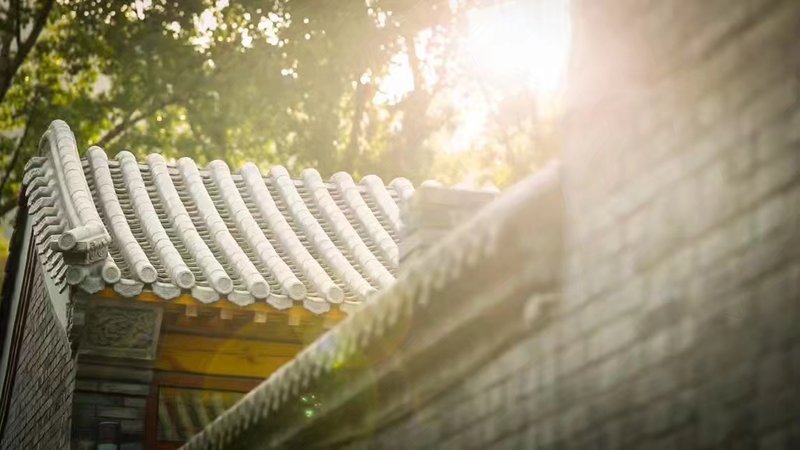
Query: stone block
x=119, y=412
x=718, y=423
x=777, y=138
x=771, y=215
x=132, y=426
x=778, y=293
x=130, y=446
x=572, y=358
x=663, y=316
x=611, y=338
x=575, y=419
x=86, y=385
x=609, y=373
x=777, y=409
x=775, y=176
x=657, y=418
x=655, y=348
x=773, y=373
x=92, y=398
x=123, y=388
x=135, y=402
x=769, y=254
x=545, y=403
x=613, y=403
x=735, y=385
x=659, y=382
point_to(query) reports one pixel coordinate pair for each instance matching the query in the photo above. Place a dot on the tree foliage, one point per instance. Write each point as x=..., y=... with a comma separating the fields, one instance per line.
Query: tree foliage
x=280, y=82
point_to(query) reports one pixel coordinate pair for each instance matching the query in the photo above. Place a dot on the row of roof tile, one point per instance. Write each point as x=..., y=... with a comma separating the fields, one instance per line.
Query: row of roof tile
x=268, y=414
x=175, y=228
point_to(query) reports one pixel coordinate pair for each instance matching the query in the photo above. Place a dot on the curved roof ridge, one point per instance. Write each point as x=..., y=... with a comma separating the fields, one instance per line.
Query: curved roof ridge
x=67, y=225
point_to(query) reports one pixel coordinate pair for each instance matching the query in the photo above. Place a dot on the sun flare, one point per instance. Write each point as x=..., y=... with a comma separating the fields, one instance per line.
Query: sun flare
x=506, y=47
x=518, y=43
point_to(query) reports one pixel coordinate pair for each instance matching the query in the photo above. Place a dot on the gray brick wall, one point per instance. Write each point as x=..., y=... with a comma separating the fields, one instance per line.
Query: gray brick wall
x=679, y=325
x=120, y=403
x=41, y=400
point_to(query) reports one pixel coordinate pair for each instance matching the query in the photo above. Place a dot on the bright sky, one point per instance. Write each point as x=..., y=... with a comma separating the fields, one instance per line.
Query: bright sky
x=519, y=41
x=513, y=45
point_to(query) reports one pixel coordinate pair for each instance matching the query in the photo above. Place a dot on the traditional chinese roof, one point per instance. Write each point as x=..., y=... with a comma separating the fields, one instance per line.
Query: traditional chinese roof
x=454, y=307
x=175, y=228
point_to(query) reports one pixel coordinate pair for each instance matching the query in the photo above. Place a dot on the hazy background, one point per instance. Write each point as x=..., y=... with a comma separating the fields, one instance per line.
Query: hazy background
x=463, y=91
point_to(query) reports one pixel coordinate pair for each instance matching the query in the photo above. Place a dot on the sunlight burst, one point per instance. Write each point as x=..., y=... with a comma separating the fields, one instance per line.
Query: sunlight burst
x=507, y=47
x=519, y=42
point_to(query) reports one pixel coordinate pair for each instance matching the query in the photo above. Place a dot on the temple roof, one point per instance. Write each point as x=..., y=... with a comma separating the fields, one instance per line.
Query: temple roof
x=475, y=291
x=246, y=235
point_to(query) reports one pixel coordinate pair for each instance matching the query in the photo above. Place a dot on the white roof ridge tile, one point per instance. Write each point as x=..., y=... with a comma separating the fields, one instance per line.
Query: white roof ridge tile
x=352, y=197
x=345, y=231
x=119, y=228
x=239, y=261
x=269, y=211
x=173, y=228
x=404, y=188
x=154, y=231
x=375, y=188
x=71, y=241
x=80, y=208
x=267, y=254
x=184, y=227
x=314, y=231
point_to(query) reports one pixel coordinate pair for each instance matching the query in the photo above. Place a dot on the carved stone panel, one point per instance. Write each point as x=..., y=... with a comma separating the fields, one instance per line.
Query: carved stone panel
x=122, y=331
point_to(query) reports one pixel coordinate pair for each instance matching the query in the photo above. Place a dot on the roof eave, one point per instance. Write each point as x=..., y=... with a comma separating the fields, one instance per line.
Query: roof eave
x=450, y=311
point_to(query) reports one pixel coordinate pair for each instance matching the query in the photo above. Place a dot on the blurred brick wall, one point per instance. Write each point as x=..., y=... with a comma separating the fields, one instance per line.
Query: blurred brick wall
x=41, y=400
x=679, y=326
x=683, y=176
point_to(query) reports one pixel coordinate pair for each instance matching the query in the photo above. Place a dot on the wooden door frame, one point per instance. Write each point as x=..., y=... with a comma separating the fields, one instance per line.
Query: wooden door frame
x=189, y=381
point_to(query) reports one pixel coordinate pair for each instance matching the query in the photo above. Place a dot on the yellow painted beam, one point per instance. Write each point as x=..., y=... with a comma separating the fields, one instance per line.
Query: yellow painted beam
x=297, y=312
x=222, y=356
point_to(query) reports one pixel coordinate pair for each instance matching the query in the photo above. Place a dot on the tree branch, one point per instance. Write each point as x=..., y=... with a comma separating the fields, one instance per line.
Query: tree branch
x=23, y=47
x=132, y=120
x=360, y=96
x=413, y=62
x=9, y=169
x=18, y=24
x=120, y=128
x=7, y=206
x=12, y=15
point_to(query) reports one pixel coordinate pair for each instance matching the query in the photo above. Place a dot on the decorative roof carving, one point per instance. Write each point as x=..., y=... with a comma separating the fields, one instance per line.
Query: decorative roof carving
x=70, y=236
x=104, y=222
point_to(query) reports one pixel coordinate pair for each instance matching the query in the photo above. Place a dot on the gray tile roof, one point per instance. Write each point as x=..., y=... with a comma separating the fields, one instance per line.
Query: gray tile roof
x=178, y=228
x=491, y=278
